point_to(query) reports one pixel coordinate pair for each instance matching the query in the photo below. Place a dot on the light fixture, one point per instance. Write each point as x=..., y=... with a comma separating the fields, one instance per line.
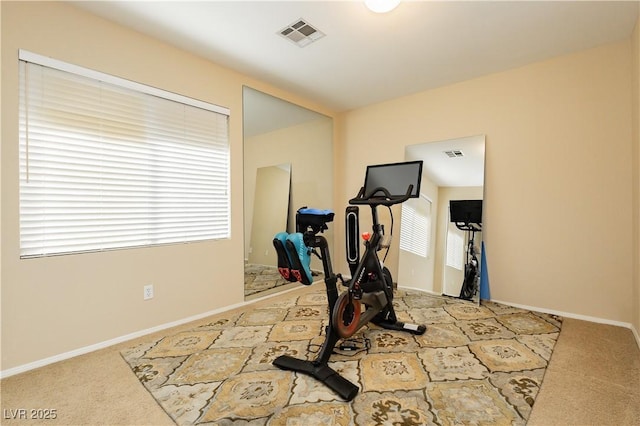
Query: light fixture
x=381, y=6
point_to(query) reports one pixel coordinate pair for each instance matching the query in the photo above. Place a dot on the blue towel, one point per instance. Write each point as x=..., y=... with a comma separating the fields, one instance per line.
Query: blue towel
x=485, y=294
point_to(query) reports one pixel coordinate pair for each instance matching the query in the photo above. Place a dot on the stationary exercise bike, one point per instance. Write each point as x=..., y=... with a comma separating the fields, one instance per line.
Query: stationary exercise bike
x=371, y=283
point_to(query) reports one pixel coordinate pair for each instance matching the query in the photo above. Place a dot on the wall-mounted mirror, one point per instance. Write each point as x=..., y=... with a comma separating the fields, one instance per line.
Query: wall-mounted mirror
x=434, y=252
x=288, y=164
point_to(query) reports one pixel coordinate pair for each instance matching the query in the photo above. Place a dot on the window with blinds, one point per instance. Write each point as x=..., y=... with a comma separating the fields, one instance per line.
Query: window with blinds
x=455, y=248
x=106, y=163
x=415, y=226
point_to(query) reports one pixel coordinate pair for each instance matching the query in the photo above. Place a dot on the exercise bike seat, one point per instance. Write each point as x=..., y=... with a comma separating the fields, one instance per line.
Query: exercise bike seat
x=314, y=219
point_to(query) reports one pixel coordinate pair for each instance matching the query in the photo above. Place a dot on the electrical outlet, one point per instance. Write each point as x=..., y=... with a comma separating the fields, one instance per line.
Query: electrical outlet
x=148, y=292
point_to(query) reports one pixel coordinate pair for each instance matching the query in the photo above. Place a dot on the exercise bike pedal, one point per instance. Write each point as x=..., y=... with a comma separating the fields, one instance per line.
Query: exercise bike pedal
x=343, y=282
x=401, y=326
x=349, y=346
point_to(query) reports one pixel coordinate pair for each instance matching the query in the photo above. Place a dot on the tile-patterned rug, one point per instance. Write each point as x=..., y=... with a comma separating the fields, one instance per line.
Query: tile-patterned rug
x=258, y=278
x=474, y=365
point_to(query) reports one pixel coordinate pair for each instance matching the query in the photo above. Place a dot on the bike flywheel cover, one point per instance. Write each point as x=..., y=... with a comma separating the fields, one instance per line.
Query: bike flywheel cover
x=346, y=315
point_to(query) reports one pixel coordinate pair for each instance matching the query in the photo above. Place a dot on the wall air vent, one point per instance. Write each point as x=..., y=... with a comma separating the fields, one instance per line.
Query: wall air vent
x=301, y=33
x=454, y=153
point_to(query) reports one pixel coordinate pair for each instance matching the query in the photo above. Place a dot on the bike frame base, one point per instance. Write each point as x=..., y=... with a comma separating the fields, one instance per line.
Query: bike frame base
x=401, y=326
x=321, y=372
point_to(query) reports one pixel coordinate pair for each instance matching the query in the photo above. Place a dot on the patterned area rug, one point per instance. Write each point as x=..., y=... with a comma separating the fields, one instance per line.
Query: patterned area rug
x=258, y=278
x=474, y=365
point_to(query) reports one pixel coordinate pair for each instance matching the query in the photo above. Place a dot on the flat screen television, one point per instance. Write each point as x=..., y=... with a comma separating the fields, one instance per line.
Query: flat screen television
x=466, y=211
x=395, y=177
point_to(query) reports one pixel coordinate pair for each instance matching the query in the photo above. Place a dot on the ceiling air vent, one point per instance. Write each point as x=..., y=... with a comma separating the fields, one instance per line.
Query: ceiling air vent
x=301, y=33
x=454, y=153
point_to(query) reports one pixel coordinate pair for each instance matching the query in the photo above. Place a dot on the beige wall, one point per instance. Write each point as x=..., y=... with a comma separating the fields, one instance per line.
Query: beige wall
x=558, y=174
x=635, y=40
x=55, y=305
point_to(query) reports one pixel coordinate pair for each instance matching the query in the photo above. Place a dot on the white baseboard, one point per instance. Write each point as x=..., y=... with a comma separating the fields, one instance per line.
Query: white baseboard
x=636, y=334
x=576, y=316
x=630, y=326
x=565, y=314
x=91, y=348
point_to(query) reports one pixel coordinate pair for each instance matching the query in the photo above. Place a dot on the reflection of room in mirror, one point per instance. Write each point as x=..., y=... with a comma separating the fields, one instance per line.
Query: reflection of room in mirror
x=466, y=216
x=453, y=170
x=281, y=137
x=270, y=211
x=462, y=266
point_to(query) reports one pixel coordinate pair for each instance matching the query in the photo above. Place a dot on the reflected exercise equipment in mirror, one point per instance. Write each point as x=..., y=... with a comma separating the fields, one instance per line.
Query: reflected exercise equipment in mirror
x=270, y=209
x=434, y=250
x=467, y=216
x=285, y=146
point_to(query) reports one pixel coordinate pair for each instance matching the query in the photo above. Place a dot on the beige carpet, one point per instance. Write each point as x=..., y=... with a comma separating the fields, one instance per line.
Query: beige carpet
x=475, y=365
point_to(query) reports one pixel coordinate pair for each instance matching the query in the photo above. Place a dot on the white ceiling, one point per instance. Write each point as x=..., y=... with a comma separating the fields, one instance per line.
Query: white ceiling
x=442, y=170
x=365, y=57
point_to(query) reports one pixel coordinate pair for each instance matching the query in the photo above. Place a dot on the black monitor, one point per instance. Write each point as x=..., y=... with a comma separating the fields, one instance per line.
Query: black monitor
x=395, y=178
x=466, y=211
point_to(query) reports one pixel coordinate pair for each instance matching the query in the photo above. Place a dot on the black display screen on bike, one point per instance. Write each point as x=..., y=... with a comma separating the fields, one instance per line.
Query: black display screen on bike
x=395, y=177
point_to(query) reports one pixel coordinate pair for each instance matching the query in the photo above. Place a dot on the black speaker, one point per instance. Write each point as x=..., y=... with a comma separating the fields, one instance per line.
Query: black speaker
x=352, y=229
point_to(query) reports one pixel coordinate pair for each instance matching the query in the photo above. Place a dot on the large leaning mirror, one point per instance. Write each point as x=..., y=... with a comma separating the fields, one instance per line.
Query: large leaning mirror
x=435, y=255
x=288, y=164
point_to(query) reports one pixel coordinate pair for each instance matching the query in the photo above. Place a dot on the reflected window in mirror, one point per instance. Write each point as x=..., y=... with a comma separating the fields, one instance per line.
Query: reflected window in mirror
x=415, y=227
x=455, y=248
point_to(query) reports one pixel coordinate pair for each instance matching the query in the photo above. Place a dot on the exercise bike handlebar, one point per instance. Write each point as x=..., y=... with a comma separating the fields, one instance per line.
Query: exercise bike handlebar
x=380, y=197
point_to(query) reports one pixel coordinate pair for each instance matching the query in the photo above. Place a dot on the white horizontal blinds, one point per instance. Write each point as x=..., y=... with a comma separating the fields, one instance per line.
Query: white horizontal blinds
x=415, y=226
x=104, y=166
x=455, y=247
